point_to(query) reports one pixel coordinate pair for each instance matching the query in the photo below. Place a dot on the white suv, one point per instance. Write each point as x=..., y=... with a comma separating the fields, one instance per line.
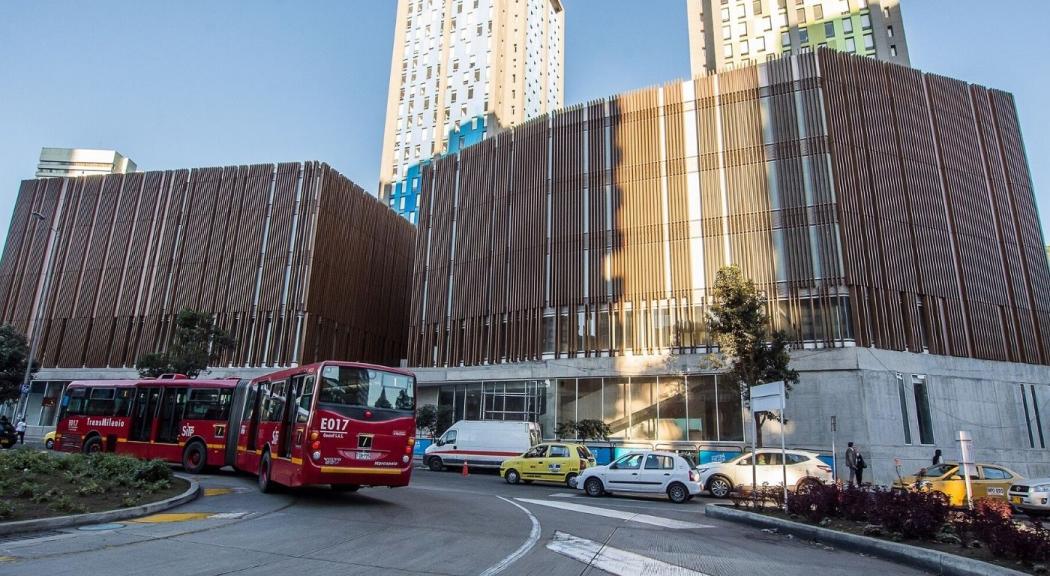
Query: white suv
x=645, y=472
x=721, y=478
x=1032, y=496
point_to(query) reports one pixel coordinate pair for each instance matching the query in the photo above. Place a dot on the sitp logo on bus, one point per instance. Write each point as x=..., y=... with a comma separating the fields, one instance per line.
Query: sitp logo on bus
x=188, y=430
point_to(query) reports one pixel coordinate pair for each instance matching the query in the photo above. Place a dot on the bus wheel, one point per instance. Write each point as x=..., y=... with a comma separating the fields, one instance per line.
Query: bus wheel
x=93, y=445
x=435, y=464
x=194, y=458
x=345, y=487
x=265, y=483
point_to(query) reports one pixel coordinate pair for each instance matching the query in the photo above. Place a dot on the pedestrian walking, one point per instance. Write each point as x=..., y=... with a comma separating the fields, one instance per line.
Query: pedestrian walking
x=20, y=428
x=851, y=463
x=937, y=460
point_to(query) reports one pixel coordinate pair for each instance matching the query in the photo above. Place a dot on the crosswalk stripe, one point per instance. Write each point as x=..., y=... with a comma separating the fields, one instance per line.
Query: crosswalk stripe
x=614, y=560
x=631, y=516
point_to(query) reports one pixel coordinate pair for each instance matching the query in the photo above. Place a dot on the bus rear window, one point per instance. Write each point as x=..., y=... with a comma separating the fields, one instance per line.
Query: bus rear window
x=367, y=388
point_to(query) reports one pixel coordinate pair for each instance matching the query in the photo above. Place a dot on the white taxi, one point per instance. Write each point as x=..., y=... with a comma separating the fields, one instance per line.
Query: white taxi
x=644, y=472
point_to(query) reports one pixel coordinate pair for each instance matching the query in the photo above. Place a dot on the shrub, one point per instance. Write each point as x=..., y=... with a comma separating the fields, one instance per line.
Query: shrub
x=63, y=503
x=991, y=521
x=855, y=503
x=7, y=510
x=912, y=514
x=815, y=504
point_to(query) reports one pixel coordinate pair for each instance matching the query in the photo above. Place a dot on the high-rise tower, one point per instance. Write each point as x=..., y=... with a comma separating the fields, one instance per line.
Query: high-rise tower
x=733, y=33
x=461, y=70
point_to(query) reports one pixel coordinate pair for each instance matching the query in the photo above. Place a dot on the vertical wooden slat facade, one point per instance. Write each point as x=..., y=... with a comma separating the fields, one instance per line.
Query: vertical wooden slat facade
x=294, y=260
x=876, y=205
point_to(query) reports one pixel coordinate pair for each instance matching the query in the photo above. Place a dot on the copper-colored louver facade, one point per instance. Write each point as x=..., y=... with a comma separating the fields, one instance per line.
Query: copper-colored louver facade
x=876, y=205
x=298, y=263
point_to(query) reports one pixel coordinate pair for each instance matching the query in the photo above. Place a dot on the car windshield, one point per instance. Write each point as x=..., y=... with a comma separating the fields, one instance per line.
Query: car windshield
x=366, y=387
x=939, y=470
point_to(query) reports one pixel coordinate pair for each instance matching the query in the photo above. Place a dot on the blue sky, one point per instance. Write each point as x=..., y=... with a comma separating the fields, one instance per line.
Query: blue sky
x=201, y=83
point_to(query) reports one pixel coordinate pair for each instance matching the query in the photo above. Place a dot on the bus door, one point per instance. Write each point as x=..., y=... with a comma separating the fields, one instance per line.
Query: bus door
x=169, y=421
x=297, y=415
x=249, y=460
x=146, y=400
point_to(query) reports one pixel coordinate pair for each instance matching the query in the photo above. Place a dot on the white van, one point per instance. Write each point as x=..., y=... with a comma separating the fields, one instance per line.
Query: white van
x=482, y=443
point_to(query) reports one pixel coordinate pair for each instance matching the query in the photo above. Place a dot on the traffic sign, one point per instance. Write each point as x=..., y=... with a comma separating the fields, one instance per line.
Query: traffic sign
x=25, y=388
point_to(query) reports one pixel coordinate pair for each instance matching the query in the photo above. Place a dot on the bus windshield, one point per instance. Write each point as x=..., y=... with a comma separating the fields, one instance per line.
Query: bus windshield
x=366, y=388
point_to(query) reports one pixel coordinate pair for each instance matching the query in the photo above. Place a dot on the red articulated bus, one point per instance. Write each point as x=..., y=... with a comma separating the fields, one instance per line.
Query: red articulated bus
x=339, y=423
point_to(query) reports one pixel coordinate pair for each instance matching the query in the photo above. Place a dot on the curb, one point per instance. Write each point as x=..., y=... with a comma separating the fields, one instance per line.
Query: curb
x=933, y=560
x=101, y=517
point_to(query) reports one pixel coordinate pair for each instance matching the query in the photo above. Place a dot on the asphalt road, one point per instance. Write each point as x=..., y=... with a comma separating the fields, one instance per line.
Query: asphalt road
x=442, y=524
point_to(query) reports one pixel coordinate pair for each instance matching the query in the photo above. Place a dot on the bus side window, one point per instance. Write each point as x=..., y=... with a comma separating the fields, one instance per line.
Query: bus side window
x=122, y=402
x=306, y=398
x=276, y=404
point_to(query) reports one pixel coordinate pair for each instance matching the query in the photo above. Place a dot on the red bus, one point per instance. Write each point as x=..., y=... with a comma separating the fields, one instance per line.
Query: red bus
x=339, y=423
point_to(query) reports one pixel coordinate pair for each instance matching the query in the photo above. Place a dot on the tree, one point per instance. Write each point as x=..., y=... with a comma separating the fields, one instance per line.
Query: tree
x=13, y=355
x=754, y=353
x=426, y=418
x=587, y=429
x=196, y=343
x=444, y=420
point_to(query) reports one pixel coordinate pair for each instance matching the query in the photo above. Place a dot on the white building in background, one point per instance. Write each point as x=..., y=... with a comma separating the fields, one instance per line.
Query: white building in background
x=62, y=162
x=462, y=70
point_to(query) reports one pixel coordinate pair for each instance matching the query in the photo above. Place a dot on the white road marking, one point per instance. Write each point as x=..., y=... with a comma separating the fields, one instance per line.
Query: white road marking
x=614, y=560
x=534, y=537
x=642, y=518
x=564, y=495
x=228, y=515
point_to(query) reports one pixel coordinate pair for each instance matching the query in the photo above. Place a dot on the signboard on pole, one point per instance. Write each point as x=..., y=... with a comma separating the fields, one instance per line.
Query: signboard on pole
x=767, y=397
x=968, y=466
x=25, y=388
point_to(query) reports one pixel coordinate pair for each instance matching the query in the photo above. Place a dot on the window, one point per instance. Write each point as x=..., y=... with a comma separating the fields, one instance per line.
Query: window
x=785, y=39
x=801, y=12
x=629, y=462
x=725, y=14
x=757, y=7
x=658, y=462
x=783, y=19
x=559, y=452
x=450, y=438
x=744, y=47
x=727, y=32
x=869, y=42
x=782, y=4
x=893, y=50
x=306, y=398
x=922, y=409
x=803, y=36
x=829, y=29
x=847, y=25
x=796, y=459
x=889, y=31
x=209, y=404
x=991, y=473
x=727, y=51
x=767, y=23
x=818, y=12
x=865, y=21
x=769, y=459
x=903, y=396
x=583, y=452
x=760, y=44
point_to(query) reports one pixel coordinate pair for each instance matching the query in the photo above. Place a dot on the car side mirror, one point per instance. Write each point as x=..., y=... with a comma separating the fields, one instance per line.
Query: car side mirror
x=440, y=442
x=614, y=466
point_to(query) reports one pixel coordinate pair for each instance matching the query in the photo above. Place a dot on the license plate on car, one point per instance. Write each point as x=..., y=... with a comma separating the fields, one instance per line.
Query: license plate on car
x=1015, y=499
x=997, y=492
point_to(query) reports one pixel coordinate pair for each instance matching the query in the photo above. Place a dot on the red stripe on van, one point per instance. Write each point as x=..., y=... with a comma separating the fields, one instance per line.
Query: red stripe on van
x=477, y=453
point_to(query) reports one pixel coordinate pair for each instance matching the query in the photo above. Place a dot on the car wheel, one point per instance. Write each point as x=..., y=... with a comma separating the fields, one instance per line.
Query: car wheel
x=50, y=444
x=195, y=458
x=93, y=445
x=719, y=486
x=265, y=483
x=594, y=487
x=435, y=464
x=570, y=479
x=512, y=476
x=806, y=485
x=678, y=493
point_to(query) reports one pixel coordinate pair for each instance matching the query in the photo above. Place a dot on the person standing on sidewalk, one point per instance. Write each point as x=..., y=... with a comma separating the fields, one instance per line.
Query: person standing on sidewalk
x=20, y=428
x=851, y=463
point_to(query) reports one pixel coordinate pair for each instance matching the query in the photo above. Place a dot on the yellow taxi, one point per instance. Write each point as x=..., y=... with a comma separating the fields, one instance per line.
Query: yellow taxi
x=49, y=440
x=550, y=462
x=991, y=481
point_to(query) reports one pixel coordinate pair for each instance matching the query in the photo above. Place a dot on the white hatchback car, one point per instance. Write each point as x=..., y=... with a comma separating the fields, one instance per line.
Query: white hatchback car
x=721, y=478
x=645, y=472
x=1031, y=495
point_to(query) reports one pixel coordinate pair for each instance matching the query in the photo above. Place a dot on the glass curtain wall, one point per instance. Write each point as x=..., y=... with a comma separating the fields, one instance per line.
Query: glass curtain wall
x=693, y=408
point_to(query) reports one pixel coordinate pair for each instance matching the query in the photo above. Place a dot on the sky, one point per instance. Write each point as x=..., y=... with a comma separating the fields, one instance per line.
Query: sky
x=201, y=83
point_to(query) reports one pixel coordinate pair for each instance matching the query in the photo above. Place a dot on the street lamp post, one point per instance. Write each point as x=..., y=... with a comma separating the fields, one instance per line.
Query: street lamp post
x=23, y=398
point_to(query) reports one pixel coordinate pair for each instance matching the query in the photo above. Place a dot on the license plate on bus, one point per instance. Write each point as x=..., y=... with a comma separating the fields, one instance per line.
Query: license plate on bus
x=1015, y=499
x=361, y=455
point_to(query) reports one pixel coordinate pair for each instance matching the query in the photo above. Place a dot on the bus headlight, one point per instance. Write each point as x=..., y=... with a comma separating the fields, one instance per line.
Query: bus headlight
x=404, y=459
x=316, y=455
